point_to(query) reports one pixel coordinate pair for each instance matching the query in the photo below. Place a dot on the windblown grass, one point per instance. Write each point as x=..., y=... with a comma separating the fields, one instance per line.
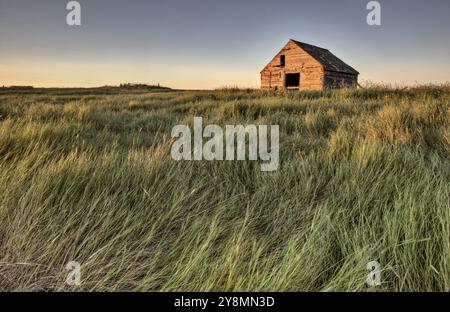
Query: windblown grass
x=364, y=176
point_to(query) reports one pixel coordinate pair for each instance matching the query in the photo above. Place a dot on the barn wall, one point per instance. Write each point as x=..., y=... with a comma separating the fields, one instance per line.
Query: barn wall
x=340, y=80
x=297, y=60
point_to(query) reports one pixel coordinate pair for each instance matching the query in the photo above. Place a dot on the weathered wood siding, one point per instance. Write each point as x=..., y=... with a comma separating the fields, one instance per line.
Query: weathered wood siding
x=340, y=80
x=297, y=61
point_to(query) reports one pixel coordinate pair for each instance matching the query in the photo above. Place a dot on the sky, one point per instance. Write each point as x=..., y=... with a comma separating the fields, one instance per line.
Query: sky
x=204, y=44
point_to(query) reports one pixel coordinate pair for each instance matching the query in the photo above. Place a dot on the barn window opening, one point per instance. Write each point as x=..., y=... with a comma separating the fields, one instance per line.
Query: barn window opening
x=292, y=80
x=282, y=60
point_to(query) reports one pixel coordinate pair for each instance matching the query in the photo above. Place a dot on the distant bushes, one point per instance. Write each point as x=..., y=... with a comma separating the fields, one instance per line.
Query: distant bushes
x=141, y=86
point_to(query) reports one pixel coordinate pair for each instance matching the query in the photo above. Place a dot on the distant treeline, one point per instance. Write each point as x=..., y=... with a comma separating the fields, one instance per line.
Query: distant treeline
x=122, y=85
x=122, y=88
x=18, y=87
x=141, y=86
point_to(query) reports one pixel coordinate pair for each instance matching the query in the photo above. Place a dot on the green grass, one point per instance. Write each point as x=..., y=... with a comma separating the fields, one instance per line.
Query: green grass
x=88, y=177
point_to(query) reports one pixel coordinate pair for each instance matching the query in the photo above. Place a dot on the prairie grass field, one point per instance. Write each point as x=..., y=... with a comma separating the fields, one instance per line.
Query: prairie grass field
x=87, y=176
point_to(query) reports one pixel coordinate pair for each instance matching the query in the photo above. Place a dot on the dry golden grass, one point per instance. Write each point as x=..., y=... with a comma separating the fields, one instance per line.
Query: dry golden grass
x=87, y=176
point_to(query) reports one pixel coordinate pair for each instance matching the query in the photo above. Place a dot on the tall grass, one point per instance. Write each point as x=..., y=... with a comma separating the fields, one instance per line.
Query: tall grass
x=364, y=176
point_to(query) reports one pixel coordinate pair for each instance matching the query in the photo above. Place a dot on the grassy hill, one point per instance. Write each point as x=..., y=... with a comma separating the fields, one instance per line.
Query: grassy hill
x=88, y=177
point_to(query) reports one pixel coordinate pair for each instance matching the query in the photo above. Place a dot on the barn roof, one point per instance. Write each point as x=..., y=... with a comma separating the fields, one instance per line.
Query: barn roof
x=328, y=60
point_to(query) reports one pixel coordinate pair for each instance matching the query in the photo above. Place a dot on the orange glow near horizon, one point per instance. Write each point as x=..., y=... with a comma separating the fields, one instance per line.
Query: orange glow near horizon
x=47, y=74
x=186, y=76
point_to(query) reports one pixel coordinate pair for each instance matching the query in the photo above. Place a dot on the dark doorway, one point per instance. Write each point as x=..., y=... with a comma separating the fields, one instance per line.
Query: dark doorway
x=293, y=81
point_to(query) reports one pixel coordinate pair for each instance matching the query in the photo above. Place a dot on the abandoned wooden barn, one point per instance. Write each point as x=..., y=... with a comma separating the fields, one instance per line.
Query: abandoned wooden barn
x=301, y=66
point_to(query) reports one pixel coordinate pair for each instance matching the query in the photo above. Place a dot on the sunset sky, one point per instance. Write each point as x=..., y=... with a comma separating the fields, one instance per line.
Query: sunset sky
x=207, y=44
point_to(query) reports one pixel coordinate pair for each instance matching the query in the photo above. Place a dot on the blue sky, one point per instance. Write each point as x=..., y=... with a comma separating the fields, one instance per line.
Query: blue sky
x=207, y=44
